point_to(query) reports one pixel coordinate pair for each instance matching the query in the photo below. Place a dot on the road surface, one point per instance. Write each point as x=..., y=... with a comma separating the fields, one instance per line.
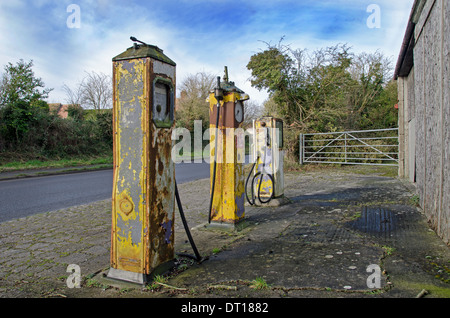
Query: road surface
x=24, y=197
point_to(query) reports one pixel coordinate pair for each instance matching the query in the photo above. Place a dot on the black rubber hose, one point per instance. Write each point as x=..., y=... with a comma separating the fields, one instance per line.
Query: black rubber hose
x=252, y=202
x=186, y=227
x=259, y=188
x=261, y=180
x=215, y=163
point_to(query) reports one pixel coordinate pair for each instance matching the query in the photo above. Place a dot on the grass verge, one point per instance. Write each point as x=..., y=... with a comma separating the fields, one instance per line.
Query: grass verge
x=106, y=160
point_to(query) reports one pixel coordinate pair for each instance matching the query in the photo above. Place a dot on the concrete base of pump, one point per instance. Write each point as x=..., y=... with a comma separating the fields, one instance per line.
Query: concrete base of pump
x=137, y=278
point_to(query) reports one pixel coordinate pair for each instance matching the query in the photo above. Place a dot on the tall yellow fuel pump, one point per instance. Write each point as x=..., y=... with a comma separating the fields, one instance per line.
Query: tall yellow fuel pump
x=227, y=156
x=267, y=176
x=143, y=199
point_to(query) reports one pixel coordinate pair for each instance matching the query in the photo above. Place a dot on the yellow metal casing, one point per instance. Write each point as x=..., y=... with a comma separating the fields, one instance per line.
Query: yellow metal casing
x=143, y=198
x=229, y=191
x=268, y=149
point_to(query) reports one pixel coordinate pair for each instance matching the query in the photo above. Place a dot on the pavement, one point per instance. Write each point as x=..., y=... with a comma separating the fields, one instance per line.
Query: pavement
x=351, y=232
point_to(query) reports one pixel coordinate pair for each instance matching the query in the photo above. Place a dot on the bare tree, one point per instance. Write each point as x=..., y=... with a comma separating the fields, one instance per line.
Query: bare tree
x=198, y=85
x=252, y=110
x=73, y=97
x=192, y=105
x=97, y=90
x=94, y=91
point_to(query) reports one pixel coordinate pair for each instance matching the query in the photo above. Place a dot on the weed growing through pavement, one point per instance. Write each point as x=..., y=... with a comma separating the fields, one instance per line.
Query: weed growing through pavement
x=259, y=283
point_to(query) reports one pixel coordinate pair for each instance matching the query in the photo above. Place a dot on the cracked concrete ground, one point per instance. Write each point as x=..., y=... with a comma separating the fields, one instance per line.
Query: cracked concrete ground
x=339, y=225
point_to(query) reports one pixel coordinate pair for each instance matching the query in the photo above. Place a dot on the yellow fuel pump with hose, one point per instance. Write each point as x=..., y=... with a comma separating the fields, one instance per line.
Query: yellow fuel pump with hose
x=227, y=201
x=144, y=185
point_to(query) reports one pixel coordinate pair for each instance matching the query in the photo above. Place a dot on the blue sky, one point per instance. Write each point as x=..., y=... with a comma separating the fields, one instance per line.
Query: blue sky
x=199, y=35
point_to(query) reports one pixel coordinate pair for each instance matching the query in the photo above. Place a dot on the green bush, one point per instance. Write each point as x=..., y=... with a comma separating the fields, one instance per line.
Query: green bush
x=33, y=131
x=29, y=131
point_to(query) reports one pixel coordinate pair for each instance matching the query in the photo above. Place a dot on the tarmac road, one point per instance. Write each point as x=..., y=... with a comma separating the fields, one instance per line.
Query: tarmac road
x=26, y=196
x=23, y=197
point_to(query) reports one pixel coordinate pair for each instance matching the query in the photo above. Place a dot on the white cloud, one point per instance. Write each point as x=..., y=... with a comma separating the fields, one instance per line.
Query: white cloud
x=62, y=55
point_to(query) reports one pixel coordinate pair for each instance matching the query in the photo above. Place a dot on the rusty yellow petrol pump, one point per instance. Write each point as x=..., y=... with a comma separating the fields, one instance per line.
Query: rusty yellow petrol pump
x=267, y=185
x=227, y=154
x=143, y=199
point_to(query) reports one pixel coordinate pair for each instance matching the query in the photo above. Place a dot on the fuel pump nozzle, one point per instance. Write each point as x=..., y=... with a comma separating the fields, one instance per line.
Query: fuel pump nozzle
x=218, y=92
x=132, y=38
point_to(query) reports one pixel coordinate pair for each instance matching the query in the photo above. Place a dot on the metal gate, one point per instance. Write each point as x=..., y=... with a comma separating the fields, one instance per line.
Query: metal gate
x=361, y=147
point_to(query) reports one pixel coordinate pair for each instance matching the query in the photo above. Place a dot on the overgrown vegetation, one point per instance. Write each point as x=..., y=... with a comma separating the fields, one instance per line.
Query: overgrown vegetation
x=30, y=131
x=331, y=89
x=328, y=90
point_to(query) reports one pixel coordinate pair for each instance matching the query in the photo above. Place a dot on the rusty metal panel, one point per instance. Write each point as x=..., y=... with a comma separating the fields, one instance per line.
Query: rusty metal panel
x=161, y=180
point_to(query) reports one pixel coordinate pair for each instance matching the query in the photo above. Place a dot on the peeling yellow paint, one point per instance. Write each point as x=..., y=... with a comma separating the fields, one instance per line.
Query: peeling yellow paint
x=128, y=251
x=137, y=236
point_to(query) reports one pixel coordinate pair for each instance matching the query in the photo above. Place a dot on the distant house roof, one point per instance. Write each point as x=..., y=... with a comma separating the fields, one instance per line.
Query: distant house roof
x=60, y=109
